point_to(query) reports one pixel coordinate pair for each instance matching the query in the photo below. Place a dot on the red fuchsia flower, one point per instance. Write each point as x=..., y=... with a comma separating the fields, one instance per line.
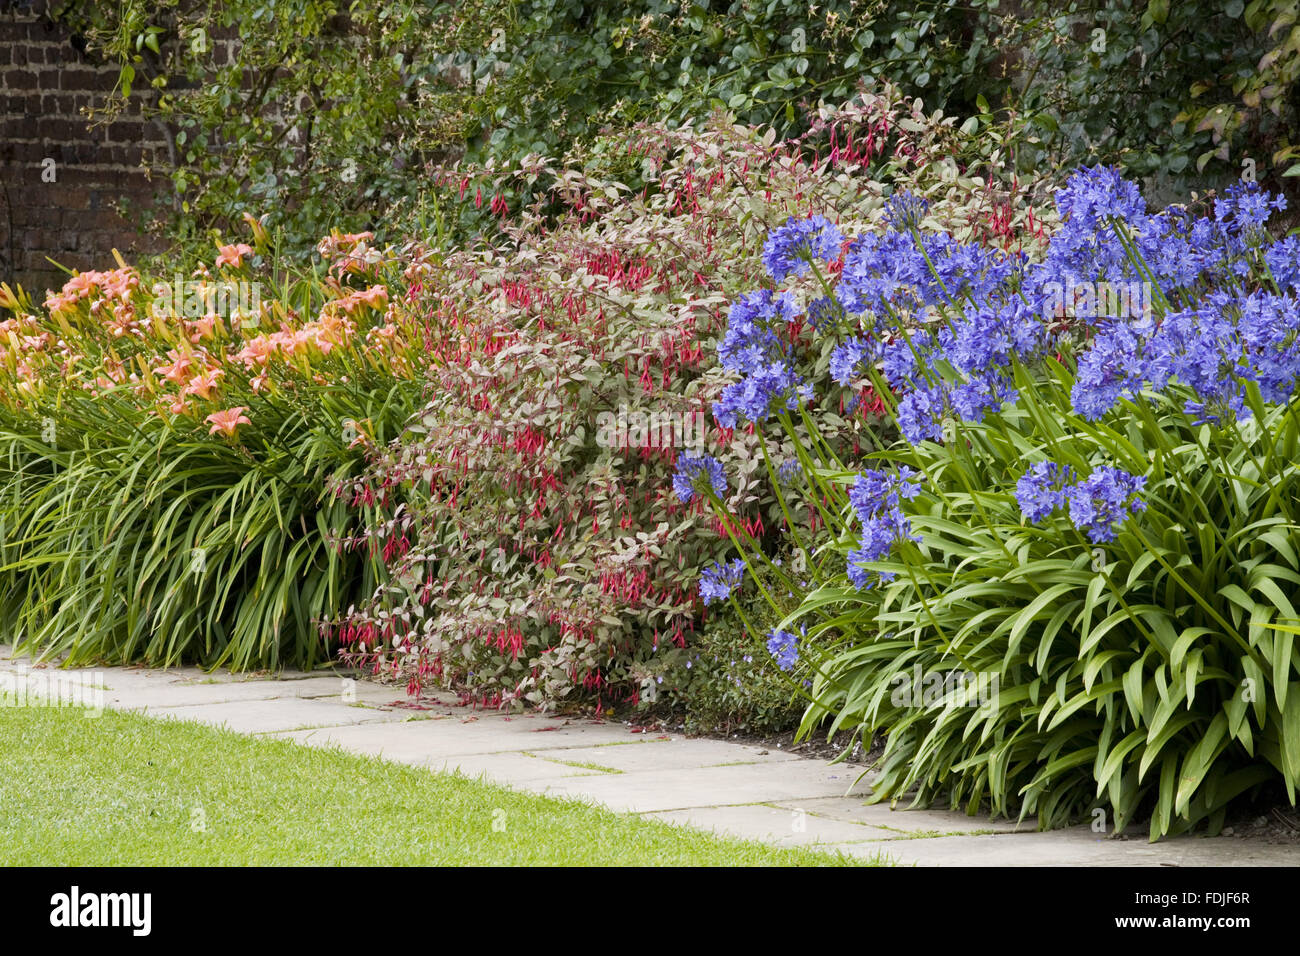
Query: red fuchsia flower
x=227, y=420
x=233, y=255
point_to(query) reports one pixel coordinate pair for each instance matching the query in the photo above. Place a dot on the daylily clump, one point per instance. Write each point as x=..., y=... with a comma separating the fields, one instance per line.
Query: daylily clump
x=189, y=429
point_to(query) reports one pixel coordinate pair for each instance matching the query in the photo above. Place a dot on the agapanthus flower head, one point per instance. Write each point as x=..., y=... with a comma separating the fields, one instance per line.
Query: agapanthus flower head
x=698, y=474
x=1283, y=258
x=882, y=272
x=904, y=210
x=751, y=340
x=788, y=470
x=790, y=248
x=1096, y=193
x=985, y=338
x=849, y=359
x=861, y=577
x=762, y=393
x=876, y=491
x=875, y=497
x=964, y=270
x=921, y=413
x=1247, y=207
x=985, y=392
x=1113, y=367
x=823, y=312
x=1093, y=203
x=1104, y=499
x=719, y=579
x=784, y=648
x=898, y=358
x=1042, y=489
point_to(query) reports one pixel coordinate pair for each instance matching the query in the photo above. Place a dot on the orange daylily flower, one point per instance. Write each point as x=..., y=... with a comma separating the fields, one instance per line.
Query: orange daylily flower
x=179, y=370
x=203, y=385
x=227, y=420
x=233, y=255
x=202, y=328
x=256, y=351
x=376, y=297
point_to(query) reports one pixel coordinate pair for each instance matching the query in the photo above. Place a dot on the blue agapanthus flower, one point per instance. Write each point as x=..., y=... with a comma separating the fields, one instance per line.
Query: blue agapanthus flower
x=695, y=474
x=1112, y=368
x=849, y=359
x=789, y=248
x=1042, y=489
x=788, y=470
x=1093, y=194
x=1093, y=201
x=985, y=392
x=921, y=413
x=1283, y=258
x=1247, y=207
x=905, y=210
x=860, y=577
x=1102, y=500
x=719, y=579
x=876, y=497
x=882, y=272
x=876, y=491
x=965, y=272
x=823, y=313
x=898, y=358
x=784, y=648
x=765, y=391
x=751, y=339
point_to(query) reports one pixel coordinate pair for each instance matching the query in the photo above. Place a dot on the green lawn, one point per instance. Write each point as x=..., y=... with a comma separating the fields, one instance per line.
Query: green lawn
x=122, y=789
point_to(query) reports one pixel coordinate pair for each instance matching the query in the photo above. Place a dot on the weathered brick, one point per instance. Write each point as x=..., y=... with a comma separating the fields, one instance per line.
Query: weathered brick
x=20, y=78
x=47, y=83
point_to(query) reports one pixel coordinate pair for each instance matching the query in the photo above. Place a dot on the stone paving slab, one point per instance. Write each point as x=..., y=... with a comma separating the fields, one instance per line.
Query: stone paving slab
x=180, y=694
x=419, y=741
x=277, y=714
x=136, y=688
x=1074, y=847
x=684, y=753
x=711, y=784
x=772, y=824
x=652, y=791
x=902, y=822
x=515, y=769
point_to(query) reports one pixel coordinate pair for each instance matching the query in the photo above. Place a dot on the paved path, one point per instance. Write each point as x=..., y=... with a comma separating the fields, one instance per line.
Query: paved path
x=739, y=789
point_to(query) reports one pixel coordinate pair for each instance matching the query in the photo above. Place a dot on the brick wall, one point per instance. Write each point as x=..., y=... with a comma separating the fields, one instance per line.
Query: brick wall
x=45, y=83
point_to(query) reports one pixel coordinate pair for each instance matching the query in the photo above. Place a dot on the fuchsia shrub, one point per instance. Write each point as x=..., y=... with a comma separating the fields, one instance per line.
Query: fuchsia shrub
x=537, y=551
